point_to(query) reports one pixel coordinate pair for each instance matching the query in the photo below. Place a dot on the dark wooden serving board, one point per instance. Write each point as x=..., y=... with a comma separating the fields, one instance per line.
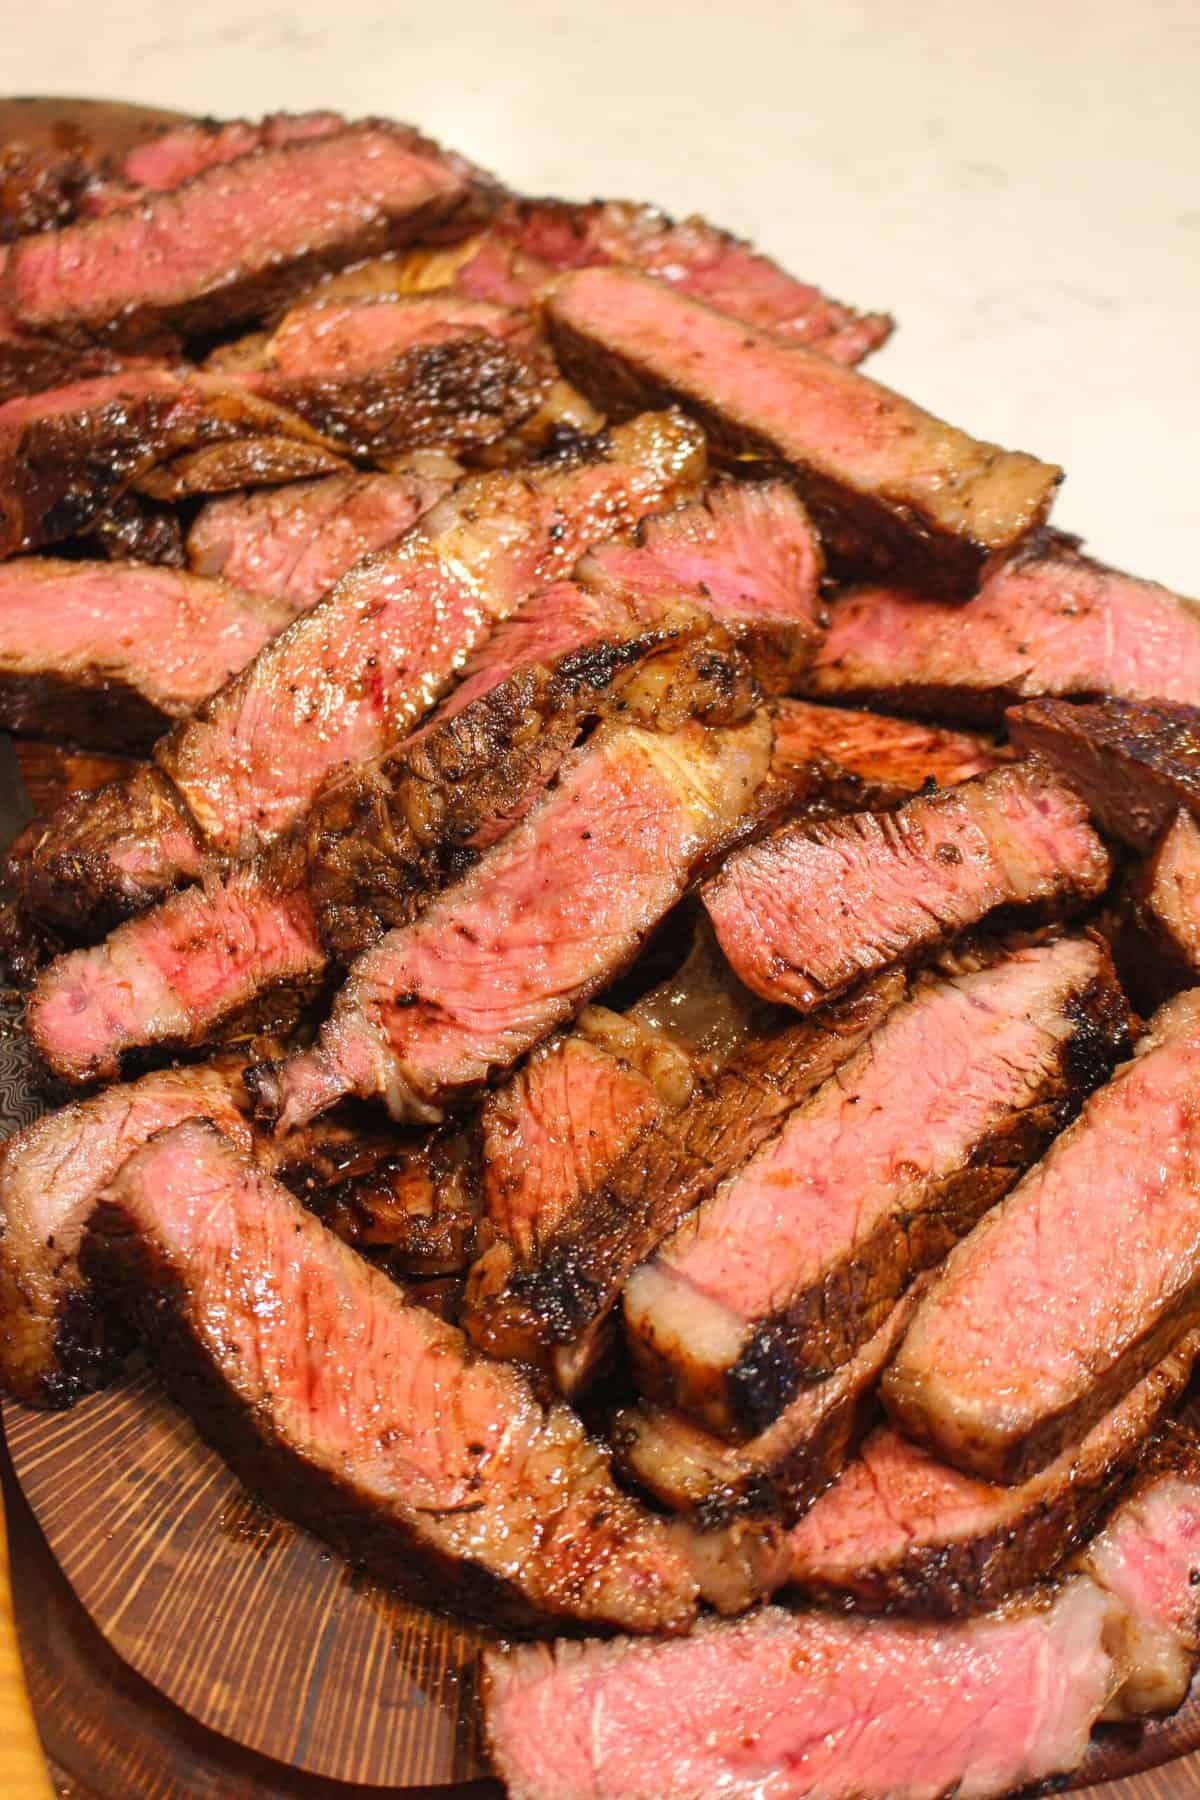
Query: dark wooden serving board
x=179, y=1642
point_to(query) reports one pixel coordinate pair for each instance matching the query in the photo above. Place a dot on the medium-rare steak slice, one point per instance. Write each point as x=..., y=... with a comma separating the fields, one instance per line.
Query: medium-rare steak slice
x=293, y=543
x=360, y=1414
x=807, y=912
x=1070, y=1290
x=548, y=916
x=777, y=1278
x=748, y=553
x=530, y=242
x=892, y=489
x=861, y=761
x=784, y=1468
x=806, y=1707
x=67, y=454
x=376, y=652
x=902, y=1532
x=561, y=1303
x=51, y=1347
x=1148, y=1558
x=1134, y=763
x=231, y=242
x=241, y=948
x=377, y=845
x=184, y=151
x=384, y=377
x=108, y=654
x=1157, y=945
x=1050, y=622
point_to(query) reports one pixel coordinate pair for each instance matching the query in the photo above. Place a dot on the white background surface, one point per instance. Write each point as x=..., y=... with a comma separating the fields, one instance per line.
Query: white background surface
x=1018, y=181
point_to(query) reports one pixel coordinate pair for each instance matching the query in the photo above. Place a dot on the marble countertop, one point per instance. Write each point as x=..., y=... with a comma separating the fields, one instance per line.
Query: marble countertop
x=1018, y=183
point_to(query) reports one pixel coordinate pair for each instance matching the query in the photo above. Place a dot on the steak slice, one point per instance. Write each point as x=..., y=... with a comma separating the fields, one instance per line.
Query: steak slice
x=777, y=1278
x=801, y=1706
x=807, y=912
x=1085, y=1276
x=861, y=761
x=380, y=648
x=1147, y=1558
x=548, y=916
x=748, y=553
x=1049, y=622
x=363, y=1416
x=382, y=377
x=1135, y=764
x=293, y=543
x=1157, y=945
x=901, y=1532
x=205, y=963
x=66, y=455
x=185, y=151
x=231, y=242
x=51, y=1173
x=783, y=1469
x=560, y=1304
x=107, y=654
x=892, y=490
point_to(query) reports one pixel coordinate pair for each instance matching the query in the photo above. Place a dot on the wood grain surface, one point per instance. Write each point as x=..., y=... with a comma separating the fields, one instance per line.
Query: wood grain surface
x=235, y=1657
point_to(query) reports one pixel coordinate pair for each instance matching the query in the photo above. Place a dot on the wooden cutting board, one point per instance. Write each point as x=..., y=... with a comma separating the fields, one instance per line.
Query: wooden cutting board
x=179, y=1643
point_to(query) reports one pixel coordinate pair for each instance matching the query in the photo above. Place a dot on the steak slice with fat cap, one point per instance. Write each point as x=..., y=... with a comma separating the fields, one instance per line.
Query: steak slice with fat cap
x=109, y=654
x=1066, y=1294
x=52, y=1349
x=293, y=543
x=1134, y=763
x=804, y=1705
x=901, y=1532
x=807, y=912
x=791, y=1265
x=891, y=489
x=544, y=920
x=373, y=1425
x=1049, y=622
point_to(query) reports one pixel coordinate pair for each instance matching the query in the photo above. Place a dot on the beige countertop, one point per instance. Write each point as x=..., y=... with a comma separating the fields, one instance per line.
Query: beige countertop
x=1018, y=183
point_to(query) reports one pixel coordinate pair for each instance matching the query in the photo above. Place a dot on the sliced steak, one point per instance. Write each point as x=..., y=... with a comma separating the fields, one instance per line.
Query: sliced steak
x=1135, y=764
x=547, y=916
x=248, y=462
x=108, y=654
x=202, y=965
x=902, y=1532
x=185, y=151
x=233, y=241
x=748, y=553
x=377, y=651
x=1070, y=1290
x=530, y=242
x=1050, y=622
x=363, y=1416
x=791, y=1265
x=799, y=1706
x=804, y=914
x=52, y=1349
x=1157, y=945
x=892, y=489
x=559, y=1305
x=862, y=761
x=1148, y=1559
x=293, y=543
x=68, y=454
x=783, y=1469
x=378, y=844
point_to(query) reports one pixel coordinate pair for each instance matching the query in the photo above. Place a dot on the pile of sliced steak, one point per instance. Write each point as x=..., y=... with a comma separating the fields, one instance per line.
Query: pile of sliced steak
x=613, y=938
